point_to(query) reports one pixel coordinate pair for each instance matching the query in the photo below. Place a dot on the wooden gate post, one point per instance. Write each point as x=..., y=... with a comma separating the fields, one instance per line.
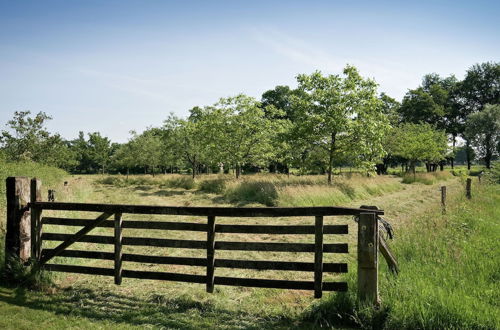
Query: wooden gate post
x=368, y=242
x=18, y=236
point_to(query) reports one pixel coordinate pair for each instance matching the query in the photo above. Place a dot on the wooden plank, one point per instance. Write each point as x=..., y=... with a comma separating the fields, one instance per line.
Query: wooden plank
x=84, y=254
x=279, y=265
x=129, y=224
x=78, y=269
x=210, y=253
x=85, y=239
x=318, y=257
x=164, y=276
x=206, y=211
x=188, y=261
x=162, y=242
x=137, y=241
x=118, y=248
x=279, y=247
x=388, y=255
x=36, y=225
x=75, y=237
x=368, y=258
x=283, y=229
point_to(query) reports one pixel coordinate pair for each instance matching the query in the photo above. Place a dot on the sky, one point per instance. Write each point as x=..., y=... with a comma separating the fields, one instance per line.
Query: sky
x=117, y=66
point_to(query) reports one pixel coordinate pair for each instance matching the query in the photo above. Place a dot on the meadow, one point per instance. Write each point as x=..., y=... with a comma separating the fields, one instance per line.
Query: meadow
x=449, y=273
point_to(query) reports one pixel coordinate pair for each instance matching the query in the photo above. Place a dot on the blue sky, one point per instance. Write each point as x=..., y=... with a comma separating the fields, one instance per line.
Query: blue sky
x=116, y=66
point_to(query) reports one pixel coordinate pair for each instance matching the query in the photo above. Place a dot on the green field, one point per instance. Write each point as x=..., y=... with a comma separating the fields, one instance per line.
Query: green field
x=449, y=270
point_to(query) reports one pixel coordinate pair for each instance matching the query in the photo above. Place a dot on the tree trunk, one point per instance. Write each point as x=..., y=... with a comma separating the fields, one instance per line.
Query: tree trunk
x=330, y=159
x=489, y=152
x=238, y=171
x=128, y=172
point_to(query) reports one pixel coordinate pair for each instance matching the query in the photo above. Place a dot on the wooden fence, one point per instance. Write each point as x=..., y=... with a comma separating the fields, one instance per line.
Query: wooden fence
x=18, y=207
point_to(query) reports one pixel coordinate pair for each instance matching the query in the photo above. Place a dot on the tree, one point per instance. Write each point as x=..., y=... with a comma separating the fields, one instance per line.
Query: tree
x=99, y=150
x=483, y=131
x=28, y=139
x=241, y=132
x=480, y=86
x=418, y=142
x=338, y=114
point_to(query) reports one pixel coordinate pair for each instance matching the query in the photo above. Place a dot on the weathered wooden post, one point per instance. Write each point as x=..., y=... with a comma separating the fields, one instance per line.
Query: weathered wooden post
x=18, y=236
x=210, y=253
x=443, y=199
x=368, y=242
x=118, y=248
x=468, y=188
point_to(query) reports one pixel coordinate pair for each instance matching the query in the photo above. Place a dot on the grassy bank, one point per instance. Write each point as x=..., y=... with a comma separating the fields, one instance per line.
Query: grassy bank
x=449, y=278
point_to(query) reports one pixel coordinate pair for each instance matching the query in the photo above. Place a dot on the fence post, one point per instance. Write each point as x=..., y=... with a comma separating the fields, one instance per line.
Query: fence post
x=443, y=199
x=368, y=258
x=18, y=236
x=36, y=224
x=318, y=257
x=118, y=248
x=210, y=253
x=468, y=188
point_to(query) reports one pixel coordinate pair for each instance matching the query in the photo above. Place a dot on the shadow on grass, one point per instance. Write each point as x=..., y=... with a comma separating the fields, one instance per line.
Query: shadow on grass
x=181, y=312
x=165, y=193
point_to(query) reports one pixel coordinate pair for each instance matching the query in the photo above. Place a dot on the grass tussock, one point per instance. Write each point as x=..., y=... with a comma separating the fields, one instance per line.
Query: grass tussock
x=427, y=178
x=162, y=181
x=449, y=276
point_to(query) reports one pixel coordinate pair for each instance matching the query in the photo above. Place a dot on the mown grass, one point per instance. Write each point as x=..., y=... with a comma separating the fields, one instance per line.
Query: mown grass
x=450, y=273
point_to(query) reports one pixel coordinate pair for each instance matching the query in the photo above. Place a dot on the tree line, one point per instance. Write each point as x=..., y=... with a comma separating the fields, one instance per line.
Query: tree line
x=324, y=122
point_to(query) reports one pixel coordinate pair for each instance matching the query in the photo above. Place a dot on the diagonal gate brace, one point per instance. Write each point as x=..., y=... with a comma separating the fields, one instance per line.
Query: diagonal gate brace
x=82, y=232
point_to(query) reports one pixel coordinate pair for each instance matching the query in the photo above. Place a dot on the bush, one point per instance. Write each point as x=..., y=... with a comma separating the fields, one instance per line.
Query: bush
x=253, y=191
x=184, y=182
x=426, y=178
x=215, y=186
x=493, y=174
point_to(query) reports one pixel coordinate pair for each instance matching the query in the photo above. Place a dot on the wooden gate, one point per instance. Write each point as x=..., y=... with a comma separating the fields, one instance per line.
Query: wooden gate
x=209, y=225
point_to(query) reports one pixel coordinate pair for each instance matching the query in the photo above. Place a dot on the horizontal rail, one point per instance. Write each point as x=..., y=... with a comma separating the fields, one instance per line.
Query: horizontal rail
x=142, y=241
x=131, y=224
x=232, y=281
x=279, y=247
x=205, y=211
x=190, y=244
x=219, y=263
x=284, y=229
x=190, y=226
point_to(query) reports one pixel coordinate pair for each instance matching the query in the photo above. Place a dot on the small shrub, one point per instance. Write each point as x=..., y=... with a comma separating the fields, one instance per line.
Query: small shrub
x=184, y=182
x=253, y=191
x=25, y=275
x=215, y=186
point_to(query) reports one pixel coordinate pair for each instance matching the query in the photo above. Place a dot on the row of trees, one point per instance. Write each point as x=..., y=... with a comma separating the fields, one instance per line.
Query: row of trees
x=327, y=121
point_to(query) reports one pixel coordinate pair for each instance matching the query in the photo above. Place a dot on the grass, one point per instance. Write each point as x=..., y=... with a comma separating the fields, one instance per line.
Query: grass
x=440, y=260
x=427, y=178
x=449, y=277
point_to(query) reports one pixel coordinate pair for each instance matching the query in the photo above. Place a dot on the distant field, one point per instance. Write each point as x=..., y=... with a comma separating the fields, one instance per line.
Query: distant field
x=415, y=299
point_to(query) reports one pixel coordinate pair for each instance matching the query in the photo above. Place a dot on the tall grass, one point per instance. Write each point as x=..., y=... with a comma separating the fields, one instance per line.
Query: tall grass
x=449, y=276
x=427, y=178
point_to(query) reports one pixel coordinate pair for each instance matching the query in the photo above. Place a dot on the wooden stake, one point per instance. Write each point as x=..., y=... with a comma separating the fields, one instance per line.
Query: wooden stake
x=118, y=248
x=368, y=242
x=468, y=188
x=210, y=253
x=318, y=257
x=443, y=199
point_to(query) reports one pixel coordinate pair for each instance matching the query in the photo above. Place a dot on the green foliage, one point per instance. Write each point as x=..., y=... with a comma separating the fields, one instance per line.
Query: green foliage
x=25, y=275
x=493, y=174
x=28, y=140
x=341, y=115
x=179, y=182
x=482, y=130
x=418, y=142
